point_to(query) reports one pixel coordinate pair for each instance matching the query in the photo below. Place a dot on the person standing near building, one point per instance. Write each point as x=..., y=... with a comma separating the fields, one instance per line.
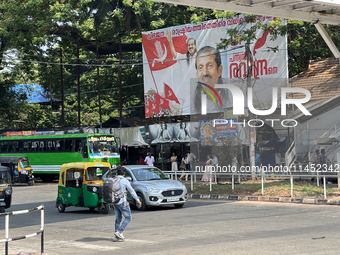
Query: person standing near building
x=323, y=159
x=149, y=160
x=141, y=160
x=317, y=157
x=215, y=164
x=123, y=207
x=191, y=159
x=173, y=159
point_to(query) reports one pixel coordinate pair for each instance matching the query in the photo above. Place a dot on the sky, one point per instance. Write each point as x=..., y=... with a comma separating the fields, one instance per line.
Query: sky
x=35, y=93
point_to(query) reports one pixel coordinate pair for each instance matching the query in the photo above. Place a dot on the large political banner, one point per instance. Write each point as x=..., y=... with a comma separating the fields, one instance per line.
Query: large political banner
x=182, y=62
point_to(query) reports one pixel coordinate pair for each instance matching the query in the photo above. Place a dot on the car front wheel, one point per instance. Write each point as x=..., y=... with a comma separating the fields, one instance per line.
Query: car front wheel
x=143, y=206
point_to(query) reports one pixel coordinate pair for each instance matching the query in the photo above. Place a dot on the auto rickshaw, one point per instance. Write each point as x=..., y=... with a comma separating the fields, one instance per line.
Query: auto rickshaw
x=81, y=185
x=5, y=188
x=21, y=171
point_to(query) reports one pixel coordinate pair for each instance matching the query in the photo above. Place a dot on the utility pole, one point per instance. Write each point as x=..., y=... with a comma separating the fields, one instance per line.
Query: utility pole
x=252, y=134
x=98, y=83
x=62, y=90
x=50, y=69
x=120, y=83
x=78, y=85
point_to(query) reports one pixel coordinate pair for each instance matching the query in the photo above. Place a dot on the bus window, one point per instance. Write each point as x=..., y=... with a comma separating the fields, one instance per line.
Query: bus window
x=78, y=145
x=27, y=146
x=11, y=148
x=41, y=145
x=4, y=147
x=102, y=146
x=68, y=145
x=85, y=149
x=34, y=146
x=58, y=145
x=49, y=145
x=21, y=146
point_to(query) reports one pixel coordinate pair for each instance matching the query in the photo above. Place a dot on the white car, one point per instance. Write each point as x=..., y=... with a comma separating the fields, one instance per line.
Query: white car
x=153, y=187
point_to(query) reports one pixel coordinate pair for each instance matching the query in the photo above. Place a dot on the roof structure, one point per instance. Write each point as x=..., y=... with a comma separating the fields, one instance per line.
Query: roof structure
x=324, y=11
x=321, y=79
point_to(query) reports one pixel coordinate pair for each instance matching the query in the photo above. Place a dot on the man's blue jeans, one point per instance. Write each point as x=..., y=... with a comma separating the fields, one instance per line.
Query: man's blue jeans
x=121, y=209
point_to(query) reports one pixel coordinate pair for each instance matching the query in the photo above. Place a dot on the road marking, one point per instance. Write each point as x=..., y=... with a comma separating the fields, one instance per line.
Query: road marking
x=86, y=245
x=139, y=241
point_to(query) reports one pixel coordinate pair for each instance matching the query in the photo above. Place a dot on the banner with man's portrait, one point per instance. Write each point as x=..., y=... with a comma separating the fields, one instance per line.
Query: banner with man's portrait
x=181, y=63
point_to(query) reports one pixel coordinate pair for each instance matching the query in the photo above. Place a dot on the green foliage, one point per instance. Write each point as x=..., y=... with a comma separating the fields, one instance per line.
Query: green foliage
x=227, y=152
x=35, y=31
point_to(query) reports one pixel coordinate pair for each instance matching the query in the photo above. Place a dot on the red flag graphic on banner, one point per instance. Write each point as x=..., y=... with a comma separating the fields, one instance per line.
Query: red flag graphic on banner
x=158, y=52
x=147, y=111
x=162, y=102
x=170, y=94
x=153, y=107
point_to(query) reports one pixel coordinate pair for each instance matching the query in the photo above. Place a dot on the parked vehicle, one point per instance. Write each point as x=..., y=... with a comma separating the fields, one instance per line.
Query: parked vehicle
x=5, y=188
x=20, y=169
x=81, y=185
x=153, y=187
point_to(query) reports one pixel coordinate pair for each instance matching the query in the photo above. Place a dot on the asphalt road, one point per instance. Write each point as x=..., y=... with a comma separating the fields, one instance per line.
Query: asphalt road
x=200, y=227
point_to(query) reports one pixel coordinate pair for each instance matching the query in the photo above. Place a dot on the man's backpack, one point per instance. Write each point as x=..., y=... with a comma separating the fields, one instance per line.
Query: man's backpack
x=112, y=193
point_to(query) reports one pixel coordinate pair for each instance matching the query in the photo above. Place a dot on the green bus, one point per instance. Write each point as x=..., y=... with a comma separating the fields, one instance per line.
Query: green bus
x=48, y=152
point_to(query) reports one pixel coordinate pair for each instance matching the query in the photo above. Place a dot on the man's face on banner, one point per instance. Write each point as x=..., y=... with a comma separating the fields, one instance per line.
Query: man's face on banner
x=207, y=70
x=191, y=46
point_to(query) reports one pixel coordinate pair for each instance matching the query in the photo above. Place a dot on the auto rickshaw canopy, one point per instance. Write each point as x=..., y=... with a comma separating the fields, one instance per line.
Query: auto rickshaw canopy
x=73, y=171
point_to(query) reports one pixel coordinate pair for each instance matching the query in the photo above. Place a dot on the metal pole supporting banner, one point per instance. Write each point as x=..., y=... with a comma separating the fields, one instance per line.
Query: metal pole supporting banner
x=252, y=134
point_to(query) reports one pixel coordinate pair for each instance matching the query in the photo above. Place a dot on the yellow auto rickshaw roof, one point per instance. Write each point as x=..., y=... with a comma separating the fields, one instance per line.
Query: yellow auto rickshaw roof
x=82, y=165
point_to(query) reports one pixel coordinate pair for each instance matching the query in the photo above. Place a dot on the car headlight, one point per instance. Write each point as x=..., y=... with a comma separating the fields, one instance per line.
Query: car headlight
x=8, y=191
x=94, y=189
x=152, y=189
x=184, y=188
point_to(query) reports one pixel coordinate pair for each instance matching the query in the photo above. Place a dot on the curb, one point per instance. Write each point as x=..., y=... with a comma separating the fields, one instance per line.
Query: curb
x=268, y=199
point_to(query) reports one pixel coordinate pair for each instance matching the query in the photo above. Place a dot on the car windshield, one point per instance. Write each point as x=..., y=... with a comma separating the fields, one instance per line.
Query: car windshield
x=149, y=174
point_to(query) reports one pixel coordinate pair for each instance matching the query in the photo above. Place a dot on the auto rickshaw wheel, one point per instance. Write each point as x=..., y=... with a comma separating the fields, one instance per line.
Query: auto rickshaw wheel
x=105, y=209
x=61, y=206
x=30, y=183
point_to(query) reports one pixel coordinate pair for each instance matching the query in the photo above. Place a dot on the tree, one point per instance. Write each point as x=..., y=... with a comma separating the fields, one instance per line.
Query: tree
x=32, y=34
